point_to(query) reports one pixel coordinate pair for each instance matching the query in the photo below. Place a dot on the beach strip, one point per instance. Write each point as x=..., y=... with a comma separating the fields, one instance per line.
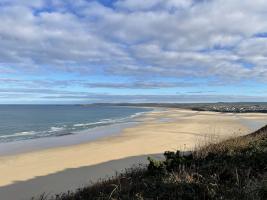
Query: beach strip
x=161, y=130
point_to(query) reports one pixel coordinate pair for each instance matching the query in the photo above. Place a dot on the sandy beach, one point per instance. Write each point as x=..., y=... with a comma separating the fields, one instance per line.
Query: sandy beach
x=159, y=131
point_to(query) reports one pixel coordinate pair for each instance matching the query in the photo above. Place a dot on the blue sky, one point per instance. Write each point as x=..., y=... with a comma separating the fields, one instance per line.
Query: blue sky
x=55, y=51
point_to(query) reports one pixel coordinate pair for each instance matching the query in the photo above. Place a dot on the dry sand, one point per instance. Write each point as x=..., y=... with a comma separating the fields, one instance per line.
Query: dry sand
x=169, y=129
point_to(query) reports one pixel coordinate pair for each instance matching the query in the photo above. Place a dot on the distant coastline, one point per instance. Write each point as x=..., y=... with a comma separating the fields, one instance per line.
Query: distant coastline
x=224, y=107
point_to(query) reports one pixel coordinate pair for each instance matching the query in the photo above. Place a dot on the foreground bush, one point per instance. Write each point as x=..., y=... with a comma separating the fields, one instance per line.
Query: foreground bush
x=233, y=169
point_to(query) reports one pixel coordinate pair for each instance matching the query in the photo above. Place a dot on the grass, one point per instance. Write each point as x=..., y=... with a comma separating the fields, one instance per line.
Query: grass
x=232, y=169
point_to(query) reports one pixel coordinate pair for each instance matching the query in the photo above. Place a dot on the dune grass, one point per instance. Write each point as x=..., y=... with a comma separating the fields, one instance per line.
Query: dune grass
x=232, y=169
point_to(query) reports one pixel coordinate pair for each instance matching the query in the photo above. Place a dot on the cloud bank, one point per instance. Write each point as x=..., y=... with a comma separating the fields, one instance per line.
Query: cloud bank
x=133, y=44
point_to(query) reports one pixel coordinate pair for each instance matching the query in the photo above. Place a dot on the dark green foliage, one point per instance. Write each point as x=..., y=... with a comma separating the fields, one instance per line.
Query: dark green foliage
x=233, y=169
x=155, y=167
x=175, y=160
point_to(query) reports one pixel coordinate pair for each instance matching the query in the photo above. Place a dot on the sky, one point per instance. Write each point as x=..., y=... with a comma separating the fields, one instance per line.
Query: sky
x=86, y=51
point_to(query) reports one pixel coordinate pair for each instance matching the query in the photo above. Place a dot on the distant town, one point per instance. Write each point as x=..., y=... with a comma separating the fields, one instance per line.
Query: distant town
x=233, y=107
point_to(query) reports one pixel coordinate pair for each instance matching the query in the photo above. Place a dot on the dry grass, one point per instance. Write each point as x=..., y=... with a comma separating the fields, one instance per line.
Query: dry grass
x=232, y=169
x=233, y=144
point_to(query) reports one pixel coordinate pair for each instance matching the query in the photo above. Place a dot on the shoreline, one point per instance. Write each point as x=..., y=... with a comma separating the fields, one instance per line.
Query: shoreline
x=73, y=138
x=158, y=131
x=81, y=137
x=59, y=120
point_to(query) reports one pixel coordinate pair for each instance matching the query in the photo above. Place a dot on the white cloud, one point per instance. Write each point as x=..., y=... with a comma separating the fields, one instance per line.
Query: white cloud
x=178, y=38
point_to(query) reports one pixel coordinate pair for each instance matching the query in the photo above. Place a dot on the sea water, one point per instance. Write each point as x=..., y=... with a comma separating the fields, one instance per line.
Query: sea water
x=25, y=122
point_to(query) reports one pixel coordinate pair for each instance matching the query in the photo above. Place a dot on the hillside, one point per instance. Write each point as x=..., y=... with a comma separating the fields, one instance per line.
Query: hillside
x=232, y=169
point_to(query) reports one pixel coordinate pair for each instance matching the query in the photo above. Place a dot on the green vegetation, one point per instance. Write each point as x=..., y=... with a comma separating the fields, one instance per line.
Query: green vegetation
x=232, y=169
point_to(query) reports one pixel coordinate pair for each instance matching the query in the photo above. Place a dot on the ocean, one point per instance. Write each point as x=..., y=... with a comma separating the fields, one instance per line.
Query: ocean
x=27, y=122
